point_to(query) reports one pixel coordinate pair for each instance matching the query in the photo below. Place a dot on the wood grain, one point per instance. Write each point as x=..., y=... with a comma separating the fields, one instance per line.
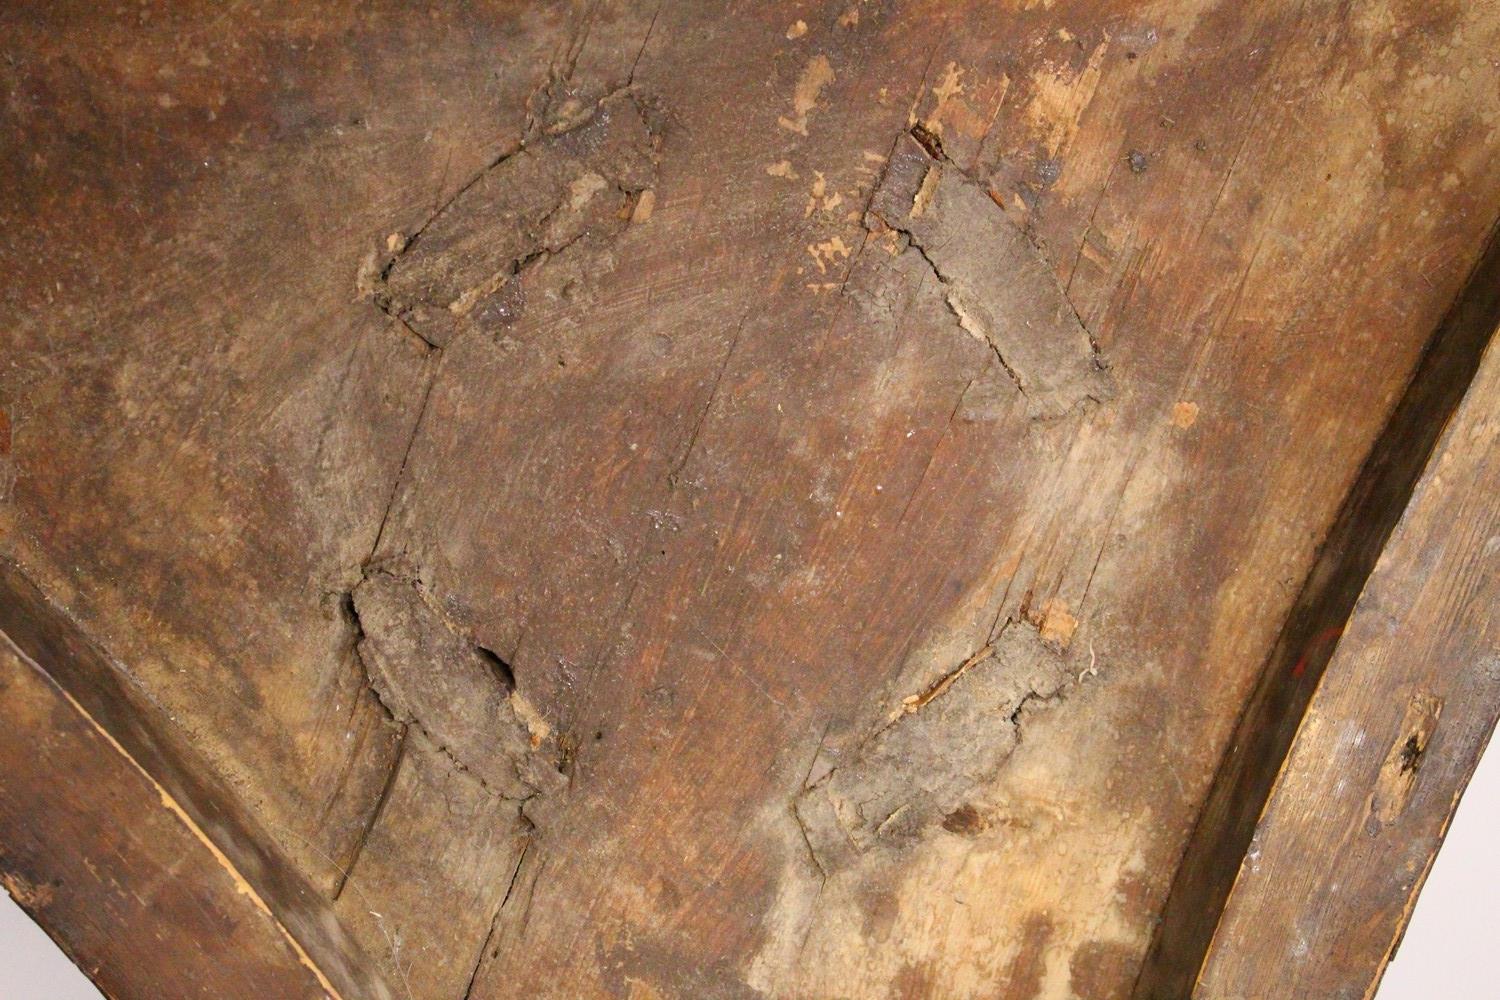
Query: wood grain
x=1388, y=742
x=133, y=888
x=1274, y=710
x=635, y=343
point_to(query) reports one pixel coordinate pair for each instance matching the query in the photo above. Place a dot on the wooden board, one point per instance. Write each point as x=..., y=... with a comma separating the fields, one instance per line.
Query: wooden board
x=109, y=861
x=709, y=499
x=1271, y=716
x=1388, y=742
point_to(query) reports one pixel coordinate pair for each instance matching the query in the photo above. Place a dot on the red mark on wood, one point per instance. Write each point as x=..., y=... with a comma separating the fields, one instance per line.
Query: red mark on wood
x=1318, y=641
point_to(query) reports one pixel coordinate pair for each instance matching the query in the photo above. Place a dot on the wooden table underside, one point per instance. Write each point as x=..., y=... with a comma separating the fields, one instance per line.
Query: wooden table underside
x=735, y=499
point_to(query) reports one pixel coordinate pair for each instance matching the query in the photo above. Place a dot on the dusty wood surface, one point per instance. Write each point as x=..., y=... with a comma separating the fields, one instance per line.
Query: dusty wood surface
x=1269, y=722
x=105, y=858
x=1389, y=739
x=711, y=500
x=99, y=690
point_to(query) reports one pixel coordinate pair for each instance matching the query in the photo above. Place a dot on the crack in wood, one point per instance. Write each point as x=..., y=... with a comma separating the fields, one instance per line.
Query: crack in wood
x=932, y=753
x=582, y=181
x=429, y=675
x=998, y=285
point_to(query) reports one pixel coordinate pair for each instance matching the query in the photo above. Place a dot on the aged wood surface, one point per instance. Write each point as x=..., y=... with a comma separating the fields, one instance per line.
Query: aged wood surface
x=98, y=690
x=106, y=858
x=709, y=499
x=1390, y=737
x=1274, y=710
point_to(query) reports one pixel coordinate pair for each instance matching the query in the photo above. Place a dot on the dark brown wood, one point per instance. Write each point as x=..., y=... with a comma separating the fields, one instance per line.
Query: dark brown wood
x=104, y=857
x=99, y=691
x=1275, y=710
x=1388, y=741
x=707, y=499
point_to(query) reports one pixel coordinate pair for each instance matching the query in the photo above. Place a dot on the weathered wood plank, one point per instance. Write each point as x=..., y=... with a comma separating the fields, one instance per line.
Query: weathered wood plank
x=1275, y=708
x=659, y=352
x=1388, y=742
x=99, y=853
x=121, y=713
x=206, y=417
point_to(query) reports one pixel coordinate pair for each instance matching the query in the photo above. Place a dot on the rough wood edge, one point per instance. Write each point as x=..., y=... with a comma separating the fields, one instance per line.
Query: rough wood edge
x=1272, y=715
x=1390, y=740
x=195, y=833
x=99, y=690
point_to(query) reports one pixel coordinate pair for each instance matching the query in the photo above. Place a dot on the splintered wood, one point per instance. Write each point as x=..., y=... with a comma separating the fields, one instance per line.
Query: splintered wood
x=708, y=500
